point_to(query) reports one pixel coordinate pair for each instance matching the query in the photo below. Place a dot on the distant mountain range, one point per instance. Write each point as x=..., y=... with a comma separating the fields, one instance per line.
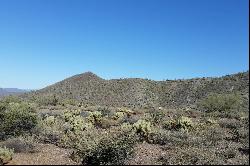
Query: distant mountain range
x=11, y=91
x=90, y=89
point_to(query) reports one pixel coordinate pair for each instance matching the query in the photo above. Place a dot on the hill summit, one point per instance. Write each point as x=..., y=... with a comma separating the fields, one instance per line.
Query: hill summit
x=88, y=88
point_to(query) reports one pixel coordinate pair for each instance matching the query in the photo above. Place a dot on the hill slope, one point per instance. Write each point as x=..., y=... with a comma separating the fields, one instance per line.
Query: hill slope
x=88, y=88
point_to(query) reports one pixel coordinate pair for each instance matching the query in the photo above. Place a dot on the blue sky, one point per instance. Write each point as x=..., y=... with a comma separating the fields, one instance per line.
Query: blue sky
x=45, y=41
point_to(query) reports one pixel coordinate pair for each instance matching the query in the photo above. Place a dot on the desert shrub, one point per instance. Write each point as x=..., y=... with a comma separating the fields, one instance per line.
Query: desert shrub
x=54, y=128
x=17, y=119
x=86, y=139
x=11, y=99
x=93, y=146
x=50, y=129
x=47, y=100
x=243, y=134
x=220, y=102
x=159, y=136
x=18, y=145
x=182, y=122
x=107, y=123
x=105, y=111
x=131, y=119
x=230, y=123
x=231, y=114
x=211, y=135
x=5, y=155
x=68, y=102
x=173, y=138
x=156, y=116
x=113, y=149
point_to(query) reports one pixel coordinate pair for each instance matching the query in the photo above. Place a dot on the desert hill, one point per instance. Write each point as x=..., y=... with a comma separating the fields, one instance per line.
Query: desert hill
x=88, y=88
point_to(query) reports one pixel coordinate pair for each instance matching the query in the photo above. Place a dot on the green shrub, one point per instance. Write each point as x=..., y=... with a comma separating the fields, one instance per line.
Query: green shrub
x=156, y=116
x=69, y=102
x=159, y=136
x=94, y=146
x=17, y=119
x=112, y=150
x=105, y=111
x=5, y=155
x=107, y=123
x=169, y=138
x=11, y=99
x=47, y=100
x=50, y=130
x=220, y=102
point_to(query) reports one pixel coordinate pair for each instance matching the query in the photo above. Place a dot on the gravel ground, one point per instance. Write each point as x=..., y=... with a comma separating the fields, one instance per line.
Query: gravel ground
x=146, y=154
x=47, y=155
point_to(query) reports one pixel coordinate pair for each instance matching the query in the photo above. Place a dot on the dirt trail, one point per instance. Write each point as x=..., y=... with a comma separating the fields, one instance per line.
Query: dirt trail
x=47, y=155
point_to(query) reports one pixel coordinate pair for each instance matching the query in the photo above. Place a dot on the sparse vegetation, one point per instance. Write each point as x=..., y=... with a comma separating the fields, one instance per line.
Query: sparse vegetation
x=214, y=129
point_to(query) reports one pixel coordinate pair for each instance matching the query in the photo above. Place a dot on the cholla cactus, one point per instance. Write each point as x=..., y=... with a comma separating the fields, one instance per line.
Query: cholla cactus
x=49, y=120
x=127, y=111
x=75, y=120
x=5, y=155
x=78, y=123
x=211, y=121
x=169, y=124
x=143, y=127
x=183, y=123
x=119, y=115
x=126, y=126
x=68, y=115
x=95, y=117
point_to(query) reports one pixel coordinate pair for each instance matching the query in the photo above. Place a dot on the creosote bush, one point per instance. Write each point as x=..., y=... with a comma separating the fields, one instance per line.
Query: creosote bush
x=94, y=146
x=19, y=145
x=220, y=102
x=156, y=115
x=17, y=119
x=47, y=100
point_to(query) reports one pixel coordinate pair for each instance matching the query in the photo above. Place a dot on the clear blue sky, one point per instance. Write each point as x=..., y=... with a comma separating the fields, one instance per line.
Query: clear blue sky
x=45, y=41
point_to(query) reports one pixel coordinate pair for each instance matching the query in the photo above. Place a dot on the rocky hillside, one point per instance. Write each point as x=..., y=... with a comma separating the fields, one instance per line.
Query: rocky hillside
x=88, y=88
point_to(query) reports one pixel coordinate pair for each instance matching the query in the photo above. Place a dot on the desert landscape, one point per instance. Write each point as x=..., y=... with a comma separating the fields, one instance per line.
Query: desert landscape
x=124, y=82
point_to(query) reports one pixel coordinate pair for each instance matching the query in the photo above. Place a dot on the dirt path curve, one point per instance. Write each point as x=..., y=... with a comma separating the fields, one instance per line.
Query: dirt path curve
x=47, y=155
